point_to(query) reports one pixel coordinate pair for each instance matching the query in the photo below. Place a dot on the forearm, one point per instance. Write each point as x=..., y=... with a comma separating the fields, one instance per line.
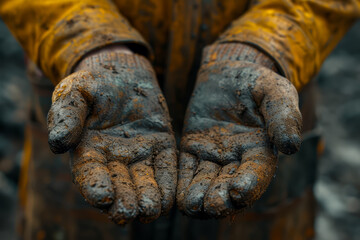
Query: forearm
x=298, y=35
x=56, y=35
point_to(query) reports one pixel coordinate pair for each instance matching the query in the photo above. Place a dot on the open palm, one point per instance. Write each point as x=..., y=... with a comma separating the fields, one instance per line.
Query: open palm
x=239, y=115
x=115, y=121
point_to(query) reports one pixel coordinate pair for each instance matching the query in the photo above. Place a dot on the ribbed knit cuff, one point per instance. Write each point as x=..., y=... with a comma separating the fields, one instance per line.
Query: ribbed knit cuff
x=107, y=59
x=237, y=52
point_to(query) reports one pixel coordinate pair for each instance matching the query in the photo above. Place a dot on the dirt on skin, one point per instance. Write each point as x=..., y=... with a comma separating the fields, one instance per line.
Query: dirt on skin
x=240, y=113
x=112, y=116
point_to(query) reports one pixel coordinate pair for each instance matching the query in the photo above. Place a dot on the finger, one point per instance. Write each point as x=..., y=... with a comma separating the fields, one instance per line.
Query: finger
x=124, y=208
x=217, y=202
x=92, y=177
x=280, y=108
x=205, y=174
x=67, y=114
x=253, y=176
x=187, y=167
x=149, y=198
x=166, y=177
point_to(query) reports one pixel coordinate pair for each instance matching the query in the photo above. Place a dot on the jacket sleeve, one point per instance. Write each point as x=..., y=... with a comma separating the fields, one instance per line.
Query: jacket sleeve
x=56, y=34
x=298, y=34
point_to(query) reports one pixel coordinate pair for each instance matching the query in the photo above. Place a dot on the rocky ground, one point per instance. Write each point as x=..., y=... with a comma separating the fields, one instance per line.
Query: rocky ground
x=338, y=185
x=337, y=188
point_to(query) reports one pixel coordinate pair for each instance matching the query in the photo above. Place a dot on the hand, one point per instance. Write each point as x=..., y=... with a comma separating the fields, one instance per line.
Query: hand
x=239, y=114
x=113, y=118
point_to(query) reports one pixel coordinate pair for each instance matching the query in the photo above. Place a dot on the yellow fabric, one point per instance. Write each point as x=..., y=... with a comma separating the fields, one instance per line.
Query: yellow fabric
x=57, y=33
x=298, y=34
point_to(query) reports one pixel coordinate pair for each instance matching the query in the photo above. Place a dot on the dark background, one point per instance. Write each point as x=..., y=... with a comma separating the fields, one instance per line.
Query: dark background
x=338, y=185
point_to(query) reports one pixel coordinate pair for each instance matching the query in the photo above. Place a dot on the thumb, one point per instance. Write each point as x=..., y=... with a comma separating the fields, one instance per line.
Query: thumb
x=68, y=113
x=280, y=108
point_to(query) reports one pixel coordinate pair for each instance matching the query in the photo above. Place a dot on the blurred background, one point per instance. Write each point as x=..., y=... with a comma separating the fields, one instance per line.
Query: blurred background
x=337, y=189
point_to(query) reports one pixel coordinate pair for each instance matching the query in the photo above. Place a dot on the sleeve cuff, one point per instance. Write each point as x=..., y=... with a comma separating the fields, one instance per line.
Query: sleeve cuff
x=280, y=37
x=83, y=29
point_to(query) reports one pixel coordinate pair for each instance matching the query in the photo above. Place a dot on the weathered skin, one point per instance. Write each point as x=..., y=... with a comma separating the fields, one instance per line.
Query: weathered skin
x=240, y=113
x=113, y=118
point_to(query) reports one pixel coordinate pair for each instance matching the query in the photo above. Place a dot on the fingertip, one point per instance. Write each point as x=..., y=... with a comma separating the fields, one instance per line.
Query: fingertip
x=288, y=143
x=121, y=213
x=64, y=135
x=99, y=196
x=245, y=191
x=217, y=203
x=149, y=211
x=238, y=198
x=92, y=179
x=150, y=206
x=194, y=203
x=58, y=141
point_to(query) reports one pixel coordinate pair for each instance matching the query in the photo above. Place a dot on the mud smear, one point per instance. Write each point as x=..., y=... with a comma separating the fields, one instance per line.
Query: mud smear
x=239, y=115
x=113, y=117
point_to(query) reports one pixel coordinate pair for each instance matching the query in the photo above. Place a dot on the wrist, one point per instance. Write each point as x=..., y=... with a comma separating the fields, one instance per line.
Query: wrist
x=238, y=52
x=89, y=58
x=114, y=60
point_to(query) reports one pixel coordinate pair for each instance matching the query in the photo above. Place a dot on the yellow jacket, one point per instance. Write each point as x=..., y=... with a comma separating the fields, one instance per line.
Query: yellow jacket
x=298, y=34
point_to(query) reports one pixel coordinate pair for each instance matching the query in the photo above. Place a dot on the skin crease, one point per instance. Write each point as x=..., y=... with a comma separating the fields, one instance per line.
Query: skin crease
x=240, y=113
x=111, y=115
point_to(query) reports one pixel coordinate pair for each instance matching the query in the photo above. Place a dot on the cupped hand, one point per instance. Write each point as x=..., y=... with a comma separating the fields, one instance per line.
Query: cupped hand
x=113, y=118
x=240, y=113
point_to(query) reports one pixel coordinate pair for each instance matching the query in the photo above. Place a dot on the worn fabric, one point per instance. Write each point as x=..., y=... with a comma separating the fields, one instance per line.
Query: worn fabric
x=298, y=34
x=56, y=34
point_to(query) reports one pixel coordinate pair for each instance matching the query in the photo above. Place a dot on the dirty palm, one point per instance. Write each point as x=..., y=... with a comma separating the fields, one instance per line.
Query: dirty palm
x=114, y=120
x=240, y=113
